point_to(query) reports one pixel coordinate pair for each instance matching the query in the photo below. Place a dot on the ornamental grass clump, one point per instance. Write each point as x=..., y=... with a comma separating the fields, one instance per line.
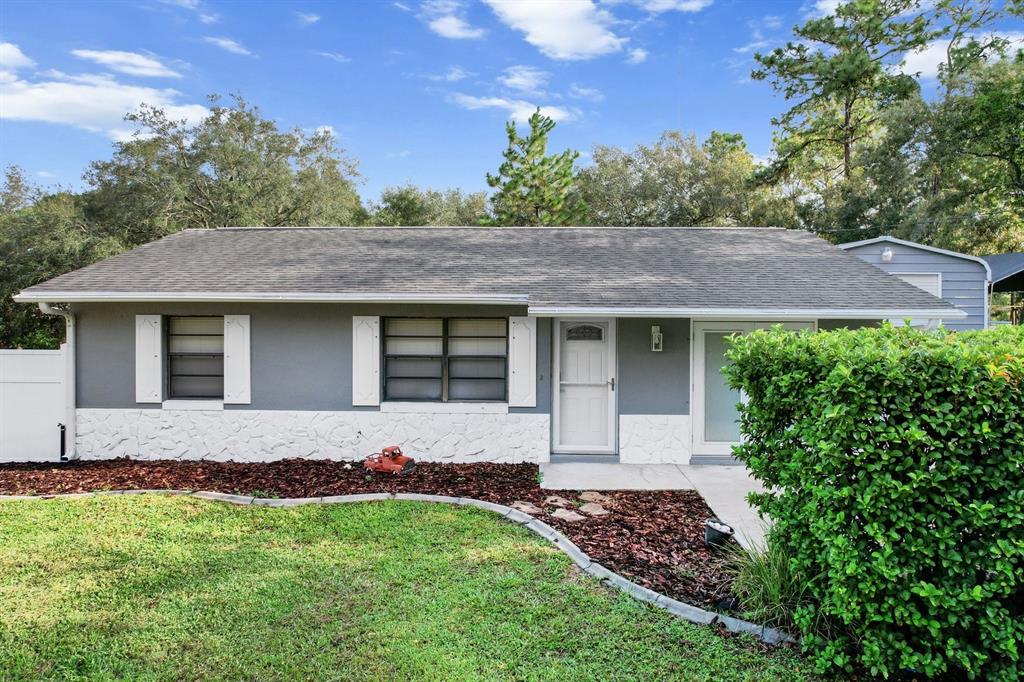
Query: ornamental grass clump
x=894, y=464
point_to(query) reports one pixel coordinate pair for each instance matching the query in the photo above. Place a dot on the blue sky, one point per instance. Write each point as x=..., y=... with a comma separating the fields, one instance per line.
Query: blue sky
x=417, y=91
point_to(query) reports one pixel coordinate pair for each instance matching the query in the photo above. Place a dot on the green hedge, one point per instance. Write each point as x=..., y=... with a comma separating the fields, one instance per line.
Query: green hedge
x=896, y=461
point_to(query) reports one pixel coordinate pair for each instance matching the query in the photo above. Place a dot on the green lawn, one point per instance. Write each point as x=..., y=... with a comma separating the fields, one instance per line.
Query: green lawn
x=164, y=587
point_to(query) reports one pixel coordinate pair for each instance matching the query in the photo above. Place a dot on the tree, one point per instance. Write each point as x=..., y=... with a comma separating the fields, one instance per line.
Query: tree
x=680, y=181
x=233, y=168
x=840, y=74
x=40, y=237
x=409, y=205
x=17, y=192
x=532, y=187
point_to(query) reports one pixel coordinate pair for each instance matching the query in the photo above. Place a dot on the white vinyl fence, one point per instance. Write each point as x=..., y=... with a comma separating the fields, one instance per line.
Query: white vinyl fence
x=33, y=399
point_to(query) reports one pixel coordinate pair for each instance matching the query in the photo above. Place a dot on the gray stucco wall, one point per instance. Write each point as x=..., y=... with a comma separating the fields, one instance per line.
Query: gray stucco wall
x=301, y=352
x=649, y=382
x=963, y=281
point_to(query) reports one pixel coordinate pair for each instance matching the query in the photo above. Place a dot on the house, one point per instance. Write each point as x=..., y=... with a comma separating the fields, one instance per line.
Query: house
x=1008, y=278
x=461, y=344
x=957, y=278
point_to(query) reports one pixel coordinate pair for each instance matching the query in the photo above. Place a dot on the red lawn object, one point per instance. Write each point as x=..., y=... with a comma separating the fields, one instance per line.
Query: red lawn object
x=390, y=460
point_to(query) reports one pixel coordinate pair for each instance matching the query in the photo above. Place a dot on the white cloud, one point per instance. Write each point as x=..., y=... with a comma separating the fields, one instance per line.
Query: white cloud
x=451, y=26
x=823, y=8
x=757, y=42
x=445, y=18
x=637, y=55
x=528, y=79
x=926, y=61
x=307, y=19
x=93, y=102
x=228, y=44
x=453, y=74
x=772, y=22
x=205, y=16
x=561, y=29
x=11, y=57
x=590, y=94
x=329, y=130
x=656, y=6
x=46, y=174
x=132, y=63
x=335, y=56
x=402, y=6
x=518, y=110
x=404, y=154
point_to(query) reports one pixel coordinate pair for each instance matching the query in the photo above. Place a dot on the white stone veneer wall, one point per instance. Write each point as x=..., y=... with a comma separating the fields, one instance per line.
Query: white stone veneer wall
x=654, y=439
x=266, y=435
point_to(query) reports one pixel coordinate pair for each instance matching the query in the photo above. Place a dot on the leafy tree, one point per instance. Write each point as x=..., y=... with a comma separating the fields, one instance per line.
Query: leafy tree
x=680, y=181
x=965, y=46
x=17, y=192
x=409, y=205
x=233, y=168
x=40, y=237
x=839, y=73
x=532, y=187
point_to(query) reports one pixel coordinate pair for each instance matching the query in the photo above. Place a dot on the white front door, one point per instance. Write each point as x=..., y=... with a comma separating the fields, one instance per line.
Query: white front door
x=584, y=400
x=716, y=426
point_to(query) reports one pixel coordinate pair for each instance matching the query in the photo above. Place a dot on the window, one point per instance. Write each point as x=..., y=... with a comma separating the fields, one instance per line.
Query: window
x=435, y=359
x=195, y=358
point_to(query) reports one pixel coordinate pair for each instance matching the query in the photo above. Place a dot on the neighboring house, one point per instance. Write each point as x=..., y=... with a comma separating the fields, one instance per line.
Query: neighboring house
x=460, y=344
x=957, y=278
x=1008, y=278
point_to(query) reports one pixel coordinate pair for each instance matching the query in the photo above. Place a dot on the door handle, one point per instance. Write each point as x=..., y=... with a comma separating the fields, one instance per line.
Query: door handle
x=612, y=383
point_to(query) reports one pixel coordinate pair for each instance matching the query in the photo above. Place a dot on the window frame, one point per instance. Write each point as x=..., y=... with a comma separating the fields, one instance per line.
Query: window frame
x=444, y=359
x=169, y=375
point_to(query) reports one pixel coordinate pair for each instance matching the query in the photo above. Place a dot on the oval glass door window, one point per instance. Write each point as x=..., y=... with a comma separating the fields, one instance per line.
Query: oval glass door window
x=584, y=332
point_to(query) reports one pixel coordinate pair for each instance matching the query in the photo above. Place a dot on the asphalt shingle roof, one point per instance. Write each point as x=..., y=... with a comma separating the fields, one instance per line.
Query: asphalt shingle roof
x=593, y=267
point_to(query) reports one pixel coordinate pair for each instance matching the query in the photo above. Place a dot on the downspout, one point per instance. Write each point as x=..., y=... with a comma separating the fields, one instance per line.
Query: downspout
x=69, y=377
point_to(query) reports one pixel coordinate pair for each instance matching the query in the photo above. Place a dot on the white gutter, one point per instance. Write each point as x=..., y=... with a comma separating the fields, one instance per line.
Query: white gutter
x=29, y=296
x=70, y=405
x=751, y=313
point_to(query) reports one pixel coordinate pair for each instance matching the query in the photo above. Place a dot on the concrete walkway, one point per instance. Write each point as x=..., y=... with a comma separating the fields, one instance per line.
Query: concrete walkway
x=724, y=488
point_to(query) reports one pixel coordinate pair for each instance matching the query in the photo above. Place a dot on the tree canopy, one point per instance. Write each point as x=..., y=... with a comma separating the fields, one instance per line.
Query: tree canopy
x=532, y=187
x=233, y=168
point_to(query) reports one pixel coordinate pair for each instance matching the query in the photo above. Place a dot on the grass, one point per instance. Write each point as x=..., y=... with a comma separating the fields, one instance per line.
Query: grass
x=152, y=587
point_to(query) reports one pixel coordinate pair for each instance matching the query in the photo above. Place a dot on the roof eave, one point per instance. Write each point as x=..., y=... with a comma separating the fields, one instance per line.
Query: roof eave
x=30, y=296
x=751, y=313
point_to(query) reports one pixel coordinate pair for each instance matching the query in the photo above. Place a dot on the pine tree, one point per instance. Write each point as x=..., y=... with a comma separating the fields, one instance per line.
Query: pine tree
x=532, y=187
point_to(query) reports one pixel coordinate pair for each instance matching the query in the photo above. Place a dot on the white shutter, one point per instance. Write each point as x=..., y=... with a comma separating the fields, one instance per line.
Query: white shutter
x=522, y=362
x=365, y=360
x=237, y=382
x=148, y=359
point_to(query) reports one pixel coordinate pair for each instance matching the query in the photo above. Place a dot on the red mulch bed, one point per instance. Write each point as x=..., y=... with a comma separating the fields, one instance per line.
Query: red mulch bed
x=656, y=538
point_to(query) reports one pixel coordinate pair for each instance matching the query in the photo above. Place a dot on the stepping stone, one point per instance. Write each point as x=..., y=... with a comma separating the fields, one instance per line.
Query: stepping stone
x=527, y=507
x=557, y=501
x=567, y=515
x=593, y=509
x=593, y=496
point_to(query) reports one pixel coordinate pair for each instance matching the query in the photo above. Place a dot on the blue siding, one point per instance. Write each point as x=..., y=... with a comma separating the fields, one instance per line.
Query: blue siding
x=963, y=281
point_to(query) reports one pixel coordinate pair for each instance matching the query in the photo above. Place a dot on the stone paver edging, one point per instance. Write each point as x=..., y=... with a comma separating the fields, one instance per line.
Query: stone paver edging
x=579, y=557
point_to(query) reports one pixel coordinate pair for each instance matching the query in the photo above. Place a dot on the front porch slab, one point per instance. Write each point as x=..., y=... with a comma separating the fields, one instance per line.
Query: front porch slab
x=587, y=476
x=724, y=488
